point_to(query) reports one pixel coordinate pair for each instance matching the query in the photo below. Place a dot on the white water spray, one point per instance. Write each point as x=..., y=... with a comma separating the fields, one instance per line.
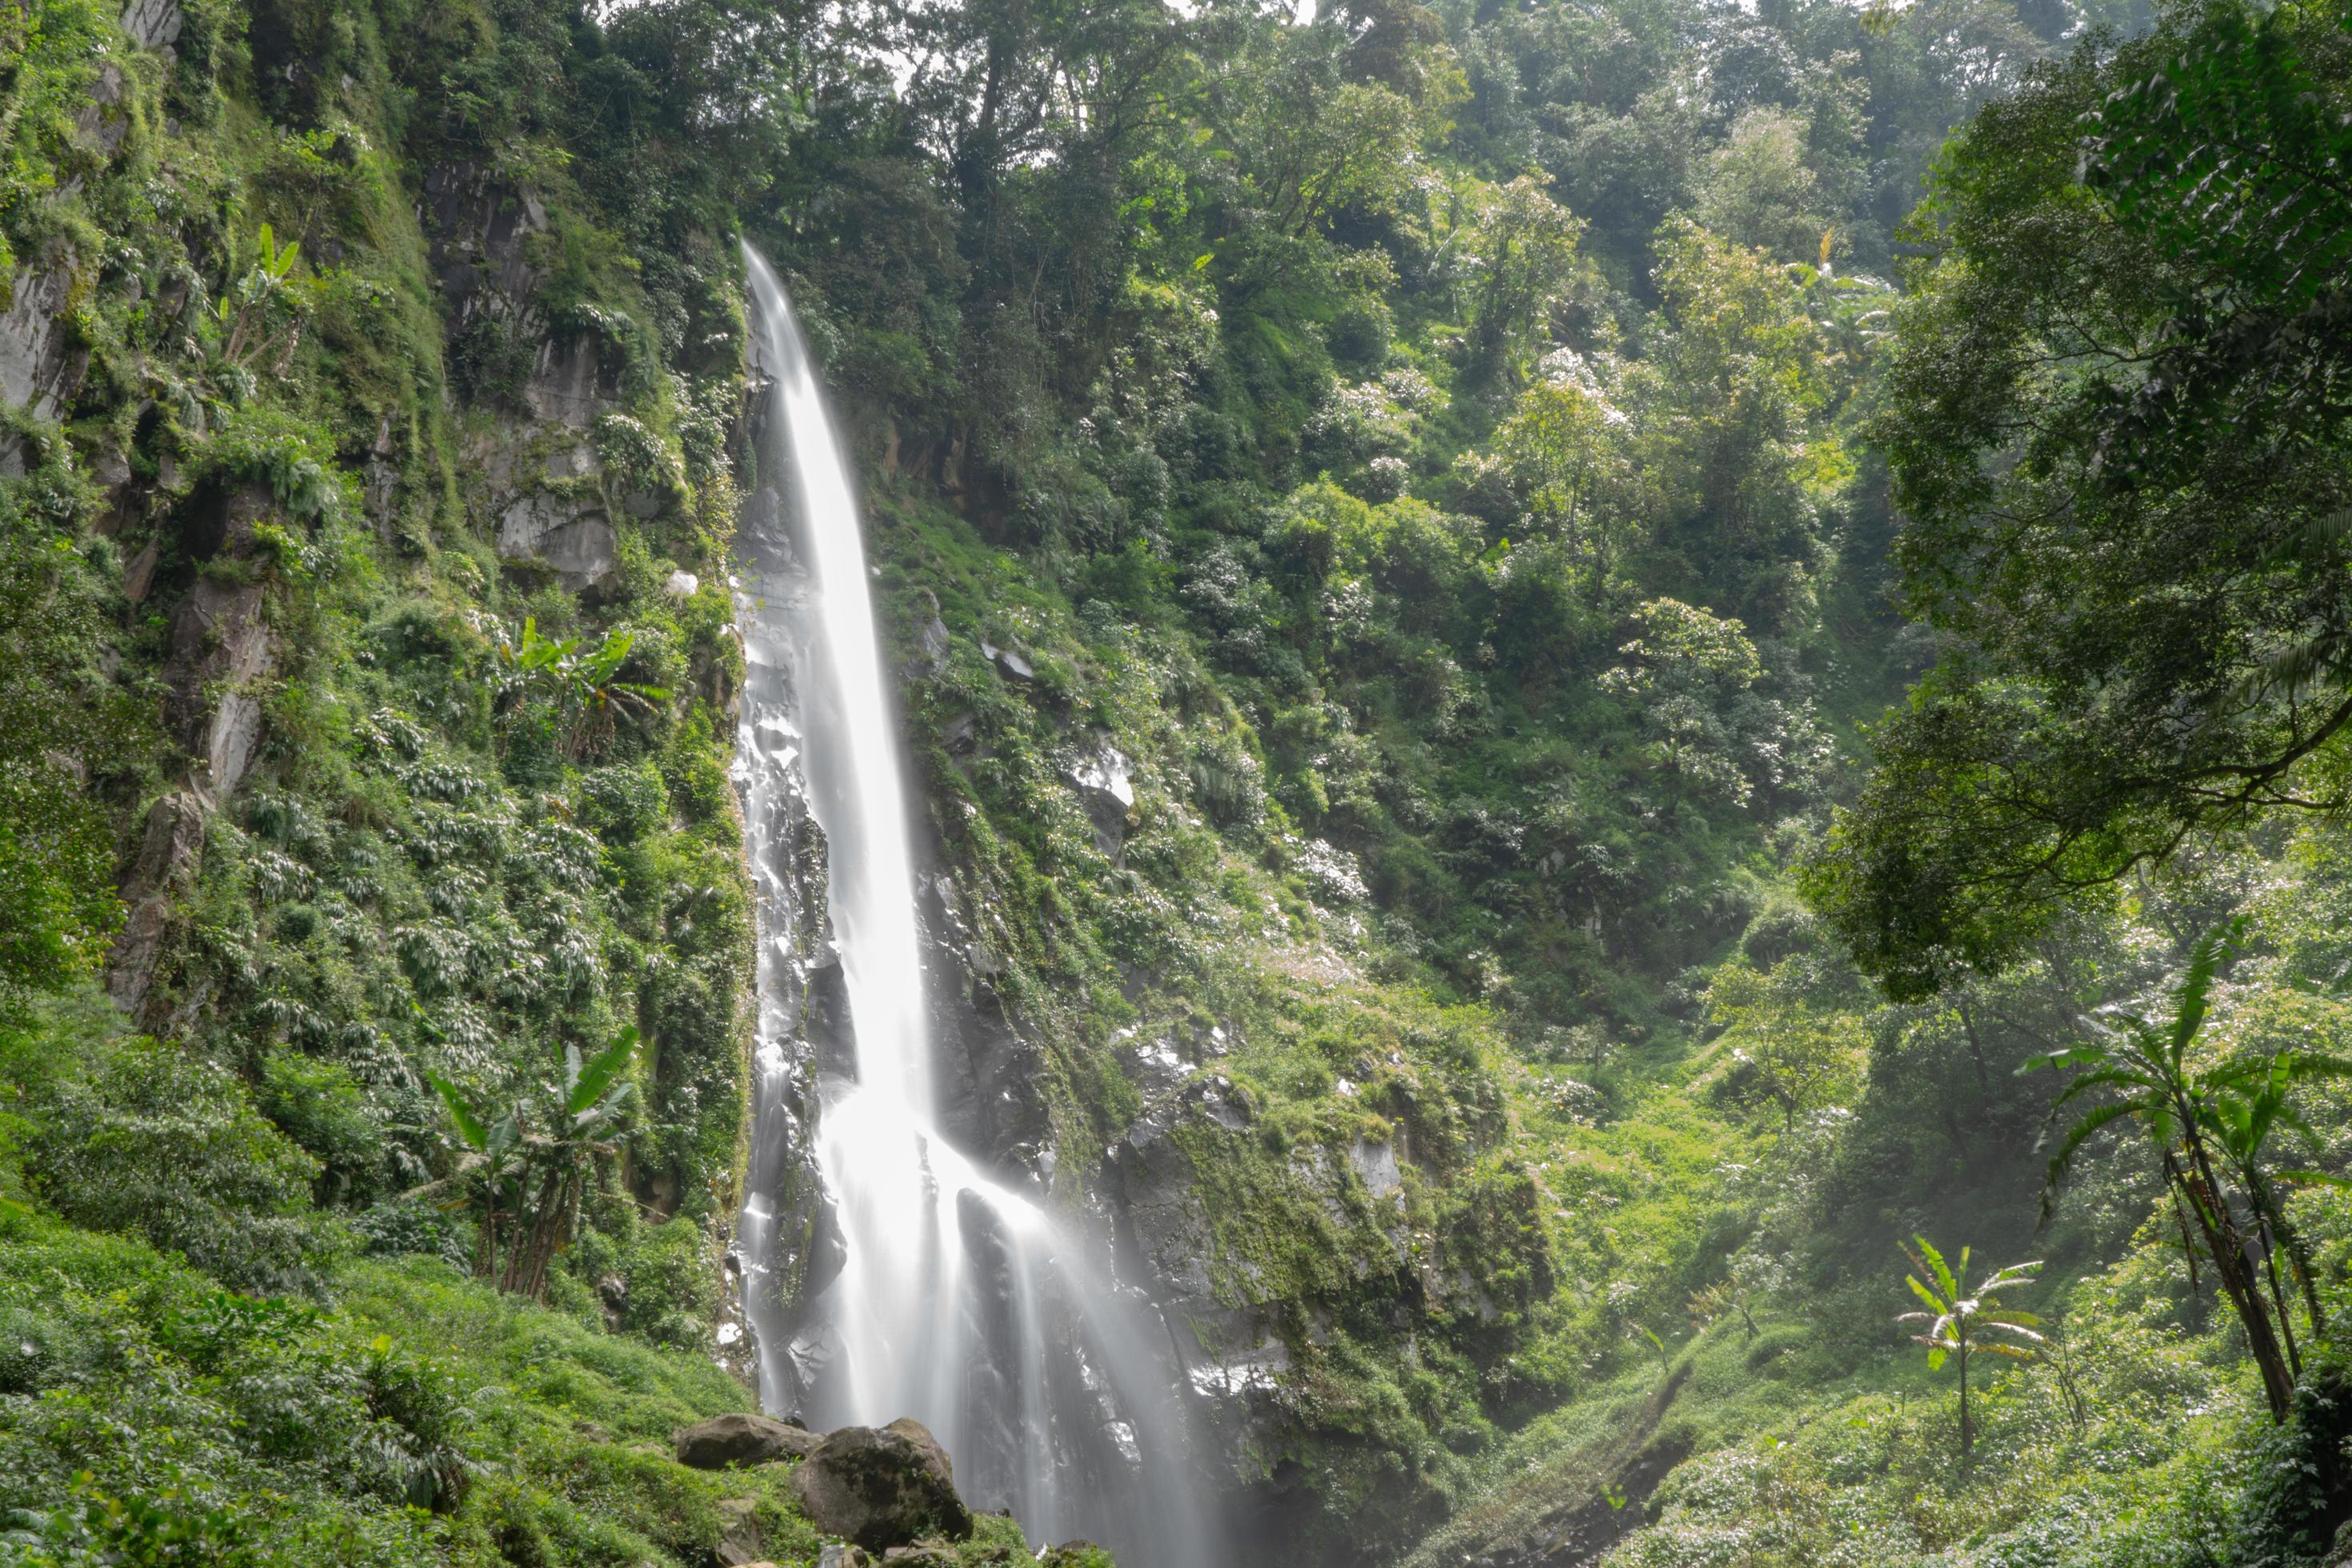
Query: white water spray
x=958, y=1300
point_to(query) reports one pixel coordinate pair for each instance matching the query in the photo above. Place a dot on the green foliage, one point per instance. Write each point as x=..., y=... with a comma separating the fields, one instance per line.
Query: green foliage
x=1963, y=1321
x=1424, y=444
x=2106, y=415
x=158, y=1143
x=526, y=1168
x=2209, y=1123
x=61, y=722
x=571, y=688
x=419, y=1419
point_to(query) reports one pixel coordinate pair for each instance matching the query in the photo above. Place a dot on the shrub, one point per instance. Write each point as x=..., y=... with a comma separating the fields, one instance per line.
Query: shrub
x=398, y=1225
x=323, y=1109
x=160, y=1143
x=623, y=803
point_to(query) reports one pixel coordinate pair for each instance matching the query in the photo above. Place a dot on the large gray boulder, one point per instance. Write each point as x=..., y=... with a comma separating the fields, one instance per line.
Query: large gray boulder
x=882, y=1488
x=741, y=1438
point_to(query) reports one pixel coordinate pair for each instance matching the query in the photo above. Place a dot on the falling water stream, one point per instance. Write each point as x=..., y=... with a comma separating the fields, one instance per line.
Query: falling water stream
x=959, y=1300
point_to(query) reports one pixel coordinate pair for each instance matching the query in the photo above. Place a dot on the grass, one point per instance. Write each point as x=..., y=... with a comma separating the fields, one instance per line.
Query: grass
x=140, y=1407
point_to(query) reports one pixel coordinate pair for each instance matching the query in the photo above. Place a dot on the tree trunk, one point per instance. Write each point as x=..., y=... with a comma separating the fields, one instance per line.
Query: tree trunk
x=1968, y=1422
x=2227, y=1248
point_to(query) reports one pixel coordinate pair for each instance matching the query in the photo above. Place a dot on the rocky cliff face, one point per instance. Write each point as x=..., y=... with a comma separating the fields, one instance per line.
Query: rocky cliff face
x=413, y=535
x=1127, y=1039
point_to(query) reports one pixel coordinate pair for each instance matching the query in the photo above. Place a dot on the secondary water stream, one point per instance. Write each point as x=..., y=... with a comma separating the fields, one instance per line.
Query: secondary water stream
x=959, y=1300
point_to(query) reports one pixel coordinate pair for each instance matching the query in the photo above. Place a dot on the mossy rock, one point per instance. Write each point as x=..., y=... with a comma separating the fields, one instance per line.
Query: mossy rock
x=882, y=1488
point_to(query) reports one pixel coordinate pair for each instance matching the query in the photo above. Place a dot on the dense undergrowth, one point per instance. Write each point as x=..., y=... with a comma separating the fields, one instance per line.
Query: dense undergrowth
x=399, y=1413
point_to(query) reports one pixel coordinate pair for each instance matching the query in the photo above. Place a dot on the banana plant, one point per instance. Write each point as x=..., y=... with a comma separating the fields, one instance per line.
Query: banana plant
x=1964, y=1323
x=2248, y=1105
x=2210, y=1125
x=587, y=1112
x=528, y=1169
x=577, y=678
x=492, y=1168
x=264, y=294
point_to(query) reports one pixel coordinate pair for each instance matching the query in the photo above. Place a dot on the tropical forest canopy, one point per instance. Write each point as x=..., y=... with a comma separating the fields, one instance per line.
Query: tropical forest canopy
x=1728, y=629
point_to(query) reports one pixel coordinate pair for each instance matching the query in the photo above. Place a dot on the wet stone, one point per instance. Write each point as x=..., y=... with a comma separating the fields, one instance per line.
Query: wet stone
x=739, y=1532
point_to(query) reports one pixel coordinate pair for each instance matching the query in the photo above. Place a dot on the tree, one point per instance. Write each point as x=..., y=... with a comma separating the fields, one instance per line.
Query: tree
x=2117, y=423
x=1759, y=189
x=1958, y=1322
x=1723, y=408
x=525, y=1172
x=1683, y=669
x=1785, y=1052
x=1555, y=447
x=2209, y=1124
x=1525, y=249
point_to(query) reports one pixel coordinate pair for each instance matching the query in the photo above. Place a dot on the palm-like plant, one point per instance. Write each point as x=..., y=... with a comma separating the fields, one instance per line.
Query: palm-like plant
x=2210, y=1125
x=2247, y=1106
x=580, y=681
x=530, y=1167
x=262, y=299
x=1965, y=1323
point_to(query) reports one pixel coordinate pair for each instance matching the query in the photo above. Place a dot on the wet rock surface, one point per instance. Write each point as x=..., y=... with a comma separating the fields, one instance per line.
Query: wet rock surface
x=1105, y=780
x=155, y=23
x=37, y=369
x=989, y=1068
x=577, y=541
x=742, y=1438
x=882, y=1487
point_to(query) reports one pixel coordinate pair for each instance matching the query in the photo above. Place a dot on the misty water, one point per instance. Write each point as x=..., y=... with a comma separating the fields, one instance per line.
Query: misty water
x=960, y=1300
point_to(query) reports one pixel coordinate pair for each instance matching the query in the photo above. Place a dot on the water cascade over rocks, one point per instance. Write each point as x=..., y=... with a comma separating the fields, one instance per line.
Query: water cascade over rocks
x=885, y=1274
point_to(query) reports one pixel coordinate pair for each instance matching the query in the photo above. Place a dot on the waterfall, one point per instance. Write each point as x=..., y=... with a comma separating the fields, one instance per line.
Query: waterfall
x=936, y=1290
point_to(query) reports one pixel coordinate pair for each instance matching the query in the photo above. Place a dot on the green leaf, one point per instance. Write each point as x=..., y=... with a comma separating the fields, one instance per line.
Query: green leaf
x=469, y=1126
x=1951, y=1287
x=2075, y=1056
x=2192, y=999
x=2076, y=1136
x=2323, y=1178
x=584, y=1086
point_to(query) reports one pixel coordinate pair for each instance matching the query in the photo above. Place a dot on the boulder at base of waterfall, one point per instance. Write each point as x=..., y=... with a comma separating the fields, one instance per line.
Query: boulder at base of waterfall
x=740, y=1440
x=882, y=1489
